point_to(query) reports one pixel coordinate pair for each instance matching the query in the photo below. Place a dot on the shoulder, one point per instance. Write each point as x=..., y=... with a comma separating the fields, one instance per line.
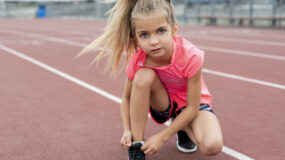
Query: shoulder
x=188, y=56
x=135, y=62
x=185, y=49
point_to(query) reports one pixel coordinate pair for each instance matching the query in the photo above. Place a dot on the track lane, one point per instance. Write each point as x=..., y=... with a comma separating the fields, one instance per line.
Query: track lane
x=230, y=63
x=70, y=27
x=68, y=67
x=47, y=117
x=88, y=61
x=255, y=115
x=80, y=121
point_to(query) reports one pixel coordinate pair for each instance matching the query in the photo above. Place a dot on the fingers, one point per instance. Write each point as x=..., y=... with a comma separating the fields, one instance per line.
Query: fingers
x=129, y=141
x=149, y=149
x=144, y=147
x=126, y=142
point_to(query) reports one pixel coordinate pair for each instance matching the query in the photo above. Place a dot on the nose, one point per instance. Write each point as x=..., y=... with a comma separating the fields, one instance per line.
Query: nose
x=153, y=40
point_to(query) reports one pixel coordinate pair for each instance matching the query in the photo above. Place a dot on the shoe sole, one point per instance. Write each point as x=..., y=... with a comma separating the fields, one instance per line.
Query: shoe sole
x=185, y=150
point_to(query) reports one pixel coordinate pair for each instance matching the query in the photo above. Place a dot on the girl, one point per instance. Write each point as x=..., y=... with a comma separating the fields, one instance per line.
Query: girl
x=164, y=79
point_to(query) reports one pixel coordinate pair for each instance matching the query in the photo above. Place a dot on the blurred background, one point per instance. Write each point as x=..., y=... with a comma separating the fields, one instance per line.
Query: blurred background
x=265, y=13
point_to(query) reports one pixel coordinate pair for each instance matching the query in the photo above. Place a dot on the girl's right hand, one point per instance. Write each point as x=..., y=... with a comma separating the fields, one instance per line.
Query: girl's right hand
x=126, y=140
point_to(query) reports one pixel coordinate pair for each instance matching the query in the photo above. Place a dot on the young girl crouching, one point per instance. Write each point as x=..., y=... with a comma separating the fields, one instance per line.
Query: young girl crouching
x=164, y=79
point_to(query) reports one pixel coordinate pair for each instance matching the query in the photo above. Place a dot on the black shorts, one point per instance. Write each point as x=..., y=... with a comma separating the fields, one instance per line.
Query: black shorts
x=173, y=111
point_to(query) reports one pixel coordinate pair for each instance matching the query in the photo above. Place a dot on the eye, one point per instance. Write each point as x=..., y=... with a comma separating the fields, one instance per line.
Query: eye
x=143, y=35
x=161, y=31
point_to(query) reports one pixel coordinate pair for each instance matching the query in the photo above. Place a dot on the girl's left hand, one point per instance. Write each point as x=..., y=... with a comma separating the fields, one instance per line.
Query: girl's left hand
x=152, y=145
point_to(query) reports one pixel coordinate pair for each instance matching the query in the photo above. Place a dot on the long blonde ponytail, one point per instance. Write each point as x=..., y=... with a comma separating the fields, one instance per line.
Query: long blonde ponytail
x=117, y=36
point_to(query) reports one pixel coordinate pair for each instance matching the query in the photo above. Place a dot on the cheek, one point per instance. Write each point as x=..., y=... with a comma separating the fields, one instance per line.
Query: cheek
x=142, y=42
x=138, y=42
x=141, y=45
x=168, y=43
x=167, y=40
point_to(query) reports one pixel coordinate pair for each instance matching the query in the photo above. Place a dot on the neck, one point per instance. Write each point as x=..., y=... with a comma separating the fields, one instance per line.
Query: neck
x=159, y=61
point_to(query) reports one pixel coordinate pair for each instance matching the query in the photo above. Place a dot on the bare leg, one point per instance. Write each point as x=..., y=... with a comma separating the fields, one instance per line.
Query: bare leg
x=146, y=90
x=205, y=132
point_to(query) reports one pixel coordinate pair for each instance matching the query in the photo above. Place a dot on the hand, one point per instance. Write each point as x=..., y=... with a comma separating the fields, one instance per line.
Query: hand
x=126, y=140
x=152, y=145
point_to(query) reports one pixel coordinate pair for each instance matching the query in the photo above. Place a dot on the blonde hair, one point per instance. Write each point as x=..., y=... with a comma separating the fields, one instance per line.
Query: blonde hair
x=118, y=36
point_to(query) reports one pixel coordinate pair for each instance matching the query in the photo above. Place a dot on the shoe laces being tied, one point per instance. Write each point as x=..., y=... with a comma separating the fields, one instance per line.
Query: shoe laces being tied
x=135, y=152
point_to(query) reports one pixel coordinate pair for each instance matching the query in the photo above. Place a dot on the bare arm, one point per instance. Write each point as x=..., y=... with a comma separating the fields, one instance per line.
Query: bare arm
x=126, y=140
x=191, y=111
x=125, y=105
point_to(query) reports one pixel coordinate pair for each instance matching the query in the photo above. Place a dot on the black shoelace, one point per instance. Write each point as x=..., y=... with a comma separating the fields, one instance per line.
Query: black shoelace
x=135, y=153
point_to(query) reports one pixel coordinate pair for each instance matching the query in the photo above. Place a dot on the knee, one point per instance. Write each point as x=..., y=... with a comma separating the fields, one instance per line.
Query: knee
x=211, y=147
x=144, y=78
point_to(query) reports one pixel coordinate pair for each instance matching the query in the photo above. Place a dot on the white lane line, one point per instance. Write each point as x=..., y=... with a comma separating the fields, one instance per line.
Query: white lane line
x=235, y=154
x=255, y=81
x=251, y=80
x=251, y=33
x=72, y=43
x=225, y=149
x=236, y=40
x=42, y=37
x=245, y=53
x=64, y=41
x=61, y=74
x=239, y=32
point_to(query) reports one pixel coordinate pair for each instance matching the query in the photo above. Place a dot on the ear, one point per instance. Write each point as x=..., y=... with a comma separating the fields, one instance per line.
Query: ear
x=175, y=29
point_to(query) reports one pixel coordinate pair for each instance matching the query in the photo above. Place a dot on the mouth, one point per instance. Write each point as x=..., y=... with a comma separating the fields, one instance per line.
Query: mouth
x=155, y=50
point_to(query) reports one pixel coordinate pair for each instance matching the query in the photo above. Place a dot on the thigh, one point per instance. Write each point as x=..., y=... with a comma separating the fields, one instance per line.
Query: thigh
x=159, y=98
x=206, y=129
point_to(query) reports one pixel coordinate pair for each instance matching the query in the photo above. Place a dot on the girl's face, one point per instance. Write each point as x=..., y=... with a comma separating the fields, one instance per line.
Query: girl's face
x=155, y=35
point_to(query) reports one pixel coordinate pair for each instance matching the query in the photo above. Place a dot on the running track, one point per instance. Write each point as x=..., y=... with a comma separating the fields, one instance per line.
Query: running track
x=53, y=108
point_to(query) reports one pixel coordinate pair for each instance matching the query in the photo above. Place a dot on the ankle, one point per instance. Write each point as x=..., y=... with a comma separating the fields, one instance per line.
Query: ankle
x=138, y=142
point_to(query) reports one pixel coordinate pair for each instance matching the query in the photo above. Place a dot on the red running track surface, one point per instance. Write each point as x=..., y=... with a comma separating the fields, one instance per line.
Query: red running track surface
x=44, y=116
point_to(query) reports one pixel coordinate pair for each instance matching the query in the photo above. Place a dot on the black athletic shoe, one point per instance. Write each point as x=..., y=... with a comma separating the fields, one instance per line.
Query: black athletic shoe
x=135, y=152
x=184, y=143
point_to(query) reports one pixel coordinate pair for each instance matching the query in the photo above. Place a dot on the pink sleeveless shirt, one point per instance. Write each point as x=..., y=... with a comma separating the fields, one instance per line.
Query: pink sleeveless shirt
x=186, y=61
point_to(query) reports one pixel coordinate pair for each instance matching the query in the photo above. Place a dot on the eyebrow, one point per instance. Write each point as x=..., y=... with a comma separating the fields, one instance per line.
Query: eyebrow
x=142, y=31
